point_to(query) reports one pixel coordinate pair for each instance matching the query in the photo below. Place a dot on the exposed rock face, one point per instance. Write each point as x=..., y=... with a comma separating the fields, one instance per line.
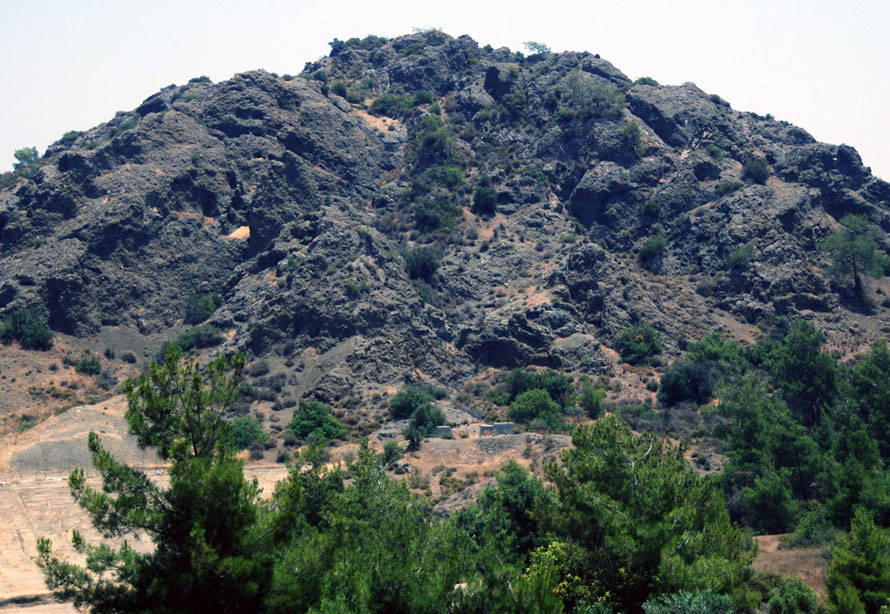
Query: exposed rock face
x=297, y=202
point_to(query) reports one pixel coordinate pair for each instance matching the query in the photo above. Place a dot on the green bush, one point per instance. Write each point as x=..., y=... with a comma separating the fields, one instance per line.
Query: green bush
x=726, y=187
x=591, y=398
x=392, y=452
x=793, y=597
x=646, y=81
x=201, y=306
x=653, y=249
x=422, y=97
x=246, y=432
x=421, y=263
x=89, y=364
x=756, y=170
x=27, y=327
x=687, y=381
x=591, y=98
x=339, y=88
x=651, y=208
x=740, y=258
x=391, y=105
x=633, y=136
x=485, y=199
x=423, y=424
x=436, y=215
x=313, y=420
x=558, y=386
x=686, y=602
x=25, y=156
x=203, y=336
x=514, y=103
x=638, y=344
x=407, y=400
x=716, y=152
x=536, y=406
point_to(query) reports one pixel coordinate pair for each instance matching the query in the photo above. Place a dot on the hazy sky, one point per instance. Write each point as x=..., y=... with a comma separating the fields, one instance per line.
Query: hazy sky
x=69, y=65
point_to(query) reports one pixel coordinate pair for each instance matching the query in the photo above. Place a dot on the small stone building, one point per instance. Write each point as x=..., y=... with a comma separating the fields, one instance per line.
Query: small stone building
x=498, y=428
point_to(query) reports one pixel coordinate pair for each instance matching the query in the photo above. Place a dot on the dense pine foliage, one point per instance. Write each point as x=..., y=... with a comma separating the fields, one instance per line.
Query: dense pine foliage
x=622, y=524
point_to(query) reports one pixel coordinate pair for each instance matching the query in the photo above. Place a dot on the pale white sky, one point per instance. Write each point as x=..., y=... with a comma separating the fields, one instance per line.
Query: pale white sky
x=71, y=64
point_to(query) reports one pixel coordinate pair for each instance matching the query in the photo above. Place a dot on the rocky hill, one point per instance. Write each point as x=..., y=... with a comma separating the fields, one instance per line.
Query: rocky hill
x=424, y=208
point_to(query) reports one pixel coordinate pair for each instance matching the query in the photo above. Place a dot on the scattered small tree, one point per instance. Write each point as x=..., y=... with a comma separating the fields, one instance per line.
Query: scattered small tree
x=27, y=327
x=421, y=263
x=757, y=170
x=25, y=156
x=201, y=306
x=639, y=343
x=853, y=251
x=535, y=47
x=246, y=431
x=313, y=420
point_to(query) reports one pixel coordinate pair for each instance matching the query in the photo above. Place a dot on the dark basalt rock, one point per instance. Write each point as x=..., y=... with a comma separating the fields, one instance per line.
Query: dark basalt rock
x=298, y=206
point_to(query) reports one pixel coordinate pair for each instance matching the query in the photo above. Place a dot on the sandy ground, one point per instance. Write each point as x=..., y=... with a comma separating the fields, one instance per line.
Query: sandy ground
x=808, y=564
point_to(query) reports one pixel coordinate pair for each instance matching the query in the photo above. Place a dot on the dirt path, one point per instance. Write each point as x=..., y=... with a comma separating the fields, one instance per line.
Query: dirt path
x=808, y=564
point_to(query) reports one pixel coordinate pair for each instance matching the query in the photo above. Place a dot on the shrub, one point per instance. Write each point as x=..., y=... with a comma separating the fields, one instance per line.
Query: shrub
x=436, y=215
x=25, y=157
x=633, y=136
x=391, y=105
x=202, y=336
x=313, y=421
x=557, y=385
x=106, y=380
x=514, y=103
x=645, y=81
x=392, y=452
x=258, y=368
x=339, y=88
x=653, y=249
x=593, y=99
x=246, y=432
x=129, y=357
x=201, y=306
x=89, y=364
x=29, y=328
x=423, y=423
x=651, y=208
x=639, y=343
x=687, y=382
x=814, y=529
x=591, y=398
x=485, y=200
x=756, y=170
x=432, y=144
x=205, y=335
x=716, y=152
x=70, y=136
x=793, y=597
x=421, y=263
x=422, y=97
x=536, y=405
x=740, y=258
x=407, y=400
x=726, y=187
x=685, y=602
